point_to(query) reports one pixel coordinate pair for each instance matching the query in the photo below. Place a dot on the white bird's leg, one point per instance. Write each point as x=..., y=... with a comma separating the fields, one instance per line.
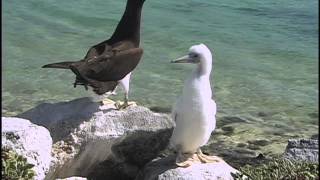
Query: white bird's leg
x=207, y=159
x=125, y=84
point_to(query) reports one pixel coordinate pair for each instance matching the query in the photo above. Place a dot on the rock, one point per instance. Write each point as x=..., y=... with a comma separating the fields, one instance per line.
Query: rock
x=302, y=150
x=165, y=169
x=101, y=143
x=63, y=117
x=29, y=140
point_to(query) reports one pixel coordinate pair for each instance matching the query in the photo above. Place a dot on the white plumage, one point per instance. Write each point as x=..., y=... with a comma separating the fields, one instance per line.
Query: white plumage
x=194, y=112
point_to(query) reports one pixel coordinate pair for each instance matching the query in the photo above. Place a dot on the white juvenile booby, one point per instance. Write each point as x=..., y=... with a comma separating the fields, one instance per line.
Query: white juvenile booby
x=194, y=112
x=111, y=62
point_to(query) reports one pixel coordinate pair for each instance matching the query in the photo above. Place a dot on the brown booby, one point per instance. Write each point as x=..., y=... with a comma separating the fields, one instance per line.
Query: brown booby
x=111, y=62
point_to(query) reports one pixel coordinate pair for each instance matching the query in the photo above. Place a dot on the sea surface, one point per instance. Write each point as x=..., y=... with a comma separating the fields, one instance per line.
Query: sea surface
x=265, y=73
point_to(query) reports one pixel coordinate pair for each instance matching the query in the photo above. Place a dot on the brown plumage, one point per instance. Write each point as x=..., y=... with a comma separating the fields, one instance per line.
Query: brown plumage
x=106, y=63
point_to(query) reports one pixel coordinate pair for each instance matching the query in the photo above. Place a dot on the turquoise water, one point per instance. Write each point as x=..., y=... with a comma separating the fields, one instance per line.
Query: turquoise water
x=265, y=55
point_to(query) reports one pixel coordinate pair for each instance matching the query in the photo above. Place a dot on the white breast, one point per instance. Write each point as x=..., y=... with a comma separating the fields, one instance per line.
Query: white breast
x=194, y=114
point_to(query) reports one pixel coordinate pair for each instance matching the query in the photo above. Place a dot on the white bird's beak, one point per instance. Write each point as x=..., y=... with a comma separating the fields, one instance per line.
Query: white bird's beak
x=183, y=59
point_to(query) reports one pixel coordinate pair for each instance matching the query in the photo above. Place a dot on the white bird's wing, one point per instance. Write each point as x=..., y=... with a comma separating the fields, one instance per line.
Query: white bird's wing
x=213, y=106
x=174, y=112
x=174, y=116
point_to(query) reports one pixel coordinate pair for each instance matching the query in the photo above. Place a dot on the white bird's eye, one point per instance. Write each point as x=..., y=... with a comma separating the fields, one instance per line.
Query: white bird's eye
x=193, y=55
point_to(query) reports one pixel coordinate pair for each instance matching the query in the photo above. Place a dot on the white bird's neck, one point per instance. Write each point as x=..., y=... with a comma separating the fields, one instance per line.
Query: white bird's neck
x=205, y=66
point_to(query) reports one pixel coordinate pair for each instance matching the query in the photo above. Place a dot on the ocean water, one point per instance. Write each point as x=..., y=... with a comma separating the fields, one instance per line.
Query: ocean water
x=265, y=57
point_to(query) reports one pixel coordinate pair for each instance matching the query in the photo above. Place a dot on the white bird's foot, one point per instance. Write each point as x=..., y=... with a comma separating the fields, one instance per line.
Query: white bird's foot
x=208, y=159
x=122, y=105
x=186, y=159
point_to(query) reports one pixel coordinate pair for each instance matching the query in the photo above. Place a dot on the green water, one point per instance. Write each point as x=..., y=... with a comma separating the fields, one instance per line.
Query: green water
x=265, y=56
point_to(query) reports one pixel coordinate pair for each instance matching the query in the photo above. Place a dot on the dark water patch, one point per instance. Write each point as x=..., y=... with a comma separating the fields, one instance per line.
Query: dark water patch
x=242, y=145
x=278, y=133
x=313, y=115
x=252, y=11
x=230, y=119
x=236, y=155
x=245, y=151
x=253, y=147
x=315, y=122
x=259, y=142
x=29, y=91
x=315, y=136
x=262, y=114
x=160, y=109
x=283, y=127
x=228, y=130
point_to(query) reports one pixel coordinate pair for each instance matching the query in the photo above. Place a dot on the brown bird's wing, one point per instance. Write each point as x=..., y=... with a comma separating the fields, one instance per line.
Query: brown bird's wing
x=103, y=65
x=103, y=72
x=101, y=50
x=106, y=48
x=108, y=67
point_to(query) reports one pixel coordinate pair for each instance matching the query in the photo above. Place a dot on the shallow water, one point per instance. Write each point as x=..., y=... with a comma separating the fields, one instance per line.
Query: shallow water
x=265, y=57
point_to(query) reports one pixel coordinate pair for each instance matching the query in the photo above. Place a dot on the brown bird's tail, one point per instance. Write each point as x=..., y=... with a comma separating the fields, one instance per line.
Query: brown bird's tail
x=61, y=65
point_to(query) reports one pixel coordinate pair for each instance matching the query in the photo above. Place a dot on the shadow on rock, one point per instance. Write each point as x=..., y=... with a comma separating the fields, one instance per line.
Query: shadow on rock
x=157, y=166
x=63, y=114
x=131, y=153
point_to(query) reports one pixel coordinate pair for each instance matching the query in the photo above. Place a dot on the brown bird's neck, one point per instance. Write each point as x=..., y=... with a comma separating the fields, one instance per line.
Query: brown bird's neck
x=129, y=25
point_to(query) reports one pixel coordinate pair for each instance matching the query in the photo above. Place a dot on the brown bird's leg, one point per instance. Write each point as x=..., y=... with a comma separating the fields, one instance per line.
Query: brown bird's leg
x=125, y=103
x=125, y=85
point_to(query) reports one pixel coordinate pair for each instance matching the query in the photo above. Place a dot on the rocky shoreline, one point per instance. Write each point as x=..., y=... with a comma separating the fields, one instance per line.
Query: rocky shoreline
x=98, y=142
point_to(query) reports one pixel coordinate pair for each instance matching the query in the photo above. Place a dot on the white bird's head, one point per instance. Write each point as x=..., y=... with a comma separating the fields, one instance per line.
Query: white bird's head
x=198, y=54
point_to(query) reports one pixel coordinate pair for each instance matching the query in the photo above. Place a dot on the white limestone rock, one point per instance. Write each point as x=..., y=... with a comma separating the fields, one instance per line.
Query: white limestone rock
x=98, y=143
x=302, y=150
x=29, y=140
x=165, y=169
x=73, y=178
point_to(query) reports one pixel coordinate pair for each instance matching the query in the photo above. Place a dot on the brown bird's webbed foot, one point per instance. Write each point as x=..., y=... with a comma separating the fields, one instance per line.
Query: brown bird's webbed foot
x=187, y=159
x=208, y=159
x=107, y=101
x=123, y=105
